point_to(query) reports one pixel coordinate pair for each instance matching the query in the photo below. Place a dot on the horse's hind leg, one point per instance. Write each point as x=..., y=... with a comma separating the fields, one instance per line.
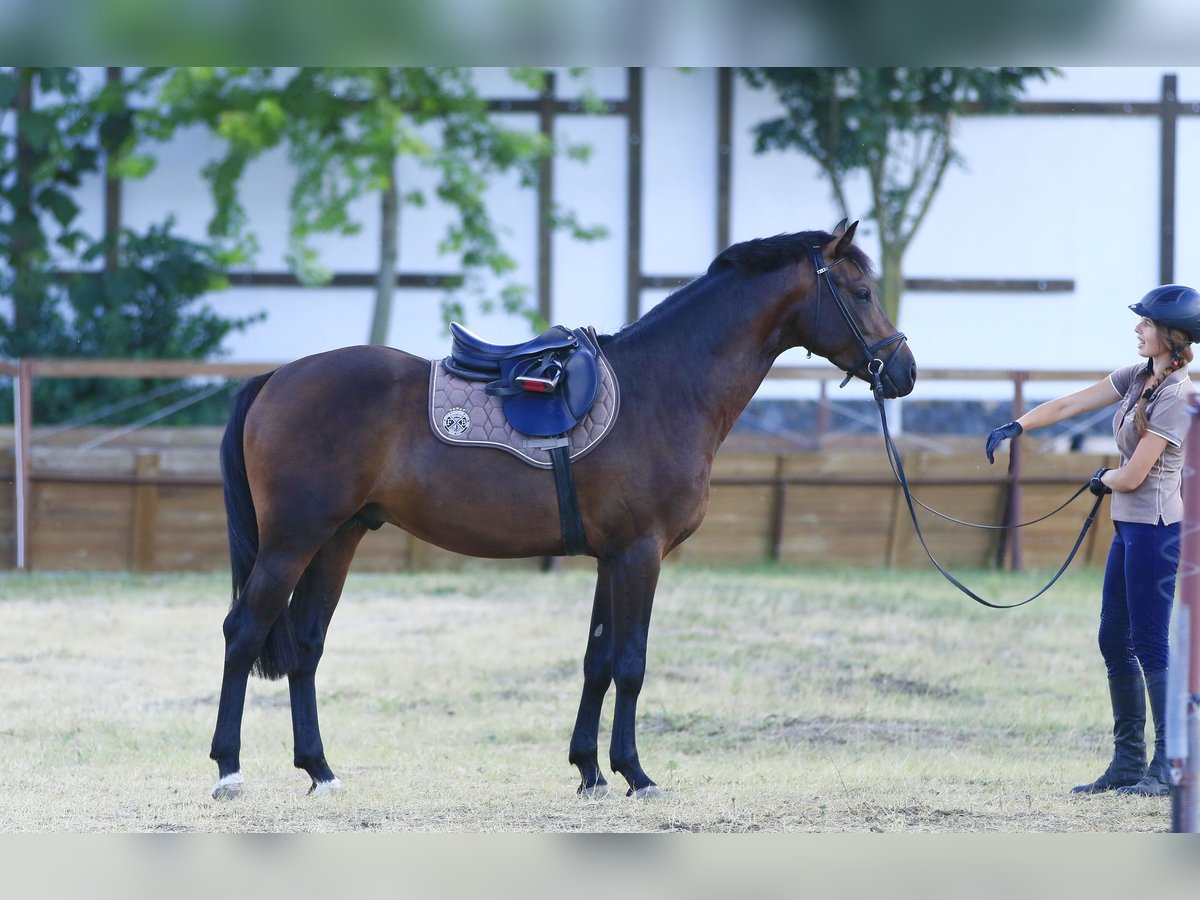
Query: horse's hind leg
x=313, y=603
x=597, y=676
x=260, y=605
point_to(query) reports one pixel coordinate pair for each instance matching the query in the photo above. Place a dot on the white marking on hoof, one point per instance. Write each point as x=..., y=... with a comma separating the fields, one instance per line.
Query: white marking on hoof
x=595, y=792
x=649, y=792
x=229, y=787
x=325, y=788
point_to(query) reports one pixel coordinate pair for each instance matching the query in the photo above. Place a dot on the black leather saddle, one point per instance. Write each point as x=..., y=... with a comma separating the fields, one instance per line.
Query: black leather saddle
x=545, y=385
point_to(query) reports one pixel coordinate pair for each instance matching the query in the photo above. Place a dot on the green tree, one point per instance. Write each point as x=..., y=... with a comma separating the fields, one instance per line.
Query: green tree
x=117, y=294
x=345, y=130
x=893, y=125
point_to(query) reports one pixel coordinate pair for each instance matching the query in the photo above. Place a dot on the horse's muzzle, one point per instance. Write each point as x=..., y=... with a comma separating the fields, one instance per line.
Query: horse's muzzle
x=899, y=375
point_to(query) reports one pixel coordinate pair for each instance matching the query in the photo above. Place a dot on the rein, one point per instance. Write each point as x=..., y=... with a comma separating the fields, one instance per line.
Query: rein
x=875, y=367
x=910, y=500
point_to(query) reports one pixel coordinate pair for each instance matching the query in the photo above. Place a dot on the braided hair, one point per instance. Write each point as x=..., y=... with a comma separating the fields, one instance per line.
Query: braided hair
x=1180, y=345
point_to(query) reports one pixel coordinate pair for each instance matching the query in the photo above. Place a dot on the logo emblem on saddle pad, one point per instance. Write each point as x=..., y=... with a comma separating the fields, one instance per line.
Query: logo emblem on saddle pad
x=463, y=414
x=456, y=421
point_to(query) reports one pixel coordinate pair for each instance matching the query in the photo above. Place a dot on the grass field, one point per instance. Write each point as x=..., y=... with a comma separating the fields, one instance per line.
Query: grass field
x=776, y=700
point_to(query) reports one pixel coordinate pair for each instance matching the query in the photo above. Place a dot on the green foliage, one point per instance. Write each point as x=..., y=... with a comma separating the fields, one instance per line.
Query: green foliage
x=345, y=129
x=72, y=294
x=144, y=307
x=894, y=125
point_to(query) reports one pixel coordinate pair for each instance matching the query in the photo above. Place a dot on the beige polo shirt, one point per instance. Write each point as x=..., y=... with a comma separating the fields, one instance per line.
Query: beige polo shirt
x=1169, y=415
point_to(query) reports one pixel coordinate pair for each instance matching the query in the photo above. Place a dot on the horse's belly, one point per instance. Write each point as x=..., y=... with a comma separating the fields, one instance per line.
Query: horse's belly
x=476, y=502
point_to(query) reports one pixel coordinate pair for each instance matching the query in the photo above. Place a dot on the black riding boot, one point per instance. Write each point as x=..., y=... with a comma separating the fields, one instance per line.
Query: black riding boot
x=1128, y=696
x=1157, y=781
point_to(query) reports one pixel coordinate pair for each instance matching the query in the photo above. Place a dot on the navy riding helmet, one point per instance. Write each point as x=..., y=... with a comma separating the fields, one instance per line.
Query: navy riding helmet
x=1173, y=305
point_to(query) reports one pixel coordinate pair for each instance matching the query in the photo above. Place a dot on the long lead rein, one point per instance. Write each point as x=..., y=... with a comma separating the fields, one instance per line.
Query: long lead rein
x=893, y=455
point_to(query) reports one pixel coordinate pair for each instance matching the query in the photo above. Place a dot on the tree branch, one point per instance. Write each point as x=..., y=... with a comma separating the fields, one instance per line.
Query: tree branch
x=944, y=158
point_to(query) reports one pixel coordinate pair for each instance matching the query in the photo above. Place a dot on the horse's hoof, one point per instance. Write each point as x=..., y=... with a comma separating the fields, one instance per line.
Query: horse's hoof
x=598, y=791
x=229, y=787
x=649, y=792
x=325, y=788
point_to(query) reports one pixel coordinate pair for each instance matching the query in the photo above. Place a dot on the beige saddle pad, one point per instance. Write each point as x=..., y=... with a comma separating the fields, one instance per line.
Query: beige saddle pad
x=461, y=413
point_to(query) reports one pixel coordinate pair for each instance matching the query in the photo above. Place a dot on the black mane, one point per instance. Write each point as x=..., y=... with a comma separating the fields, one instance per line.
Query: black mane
x=768, y=254
x=754, y=257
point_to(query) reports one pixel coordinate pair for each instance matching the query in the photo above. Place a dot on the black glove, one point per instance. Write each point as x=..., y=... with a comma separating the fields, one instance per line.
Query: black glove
x=1003, y=433
x=1098, y=487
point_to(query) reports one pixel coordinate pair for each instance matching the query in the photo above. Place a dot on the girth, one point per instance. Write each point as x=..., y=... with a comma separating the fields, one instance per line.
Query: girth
x=545, y=386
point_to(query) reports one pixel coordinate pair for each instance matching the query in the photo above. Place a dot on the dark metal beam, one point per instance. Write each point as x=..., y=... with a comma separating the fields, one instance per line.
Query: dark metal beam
x=341, y=279
x=545, y=204
x=935, y=285
x=1166, y=169
x=633, y=232
x=724, y=154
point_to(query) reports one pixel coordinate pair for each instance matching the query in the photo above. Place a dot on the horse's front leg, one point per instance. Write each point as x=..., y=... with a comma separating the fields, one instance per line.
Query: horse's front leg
x=313, y=604
x=597, y=676
x=634, y=577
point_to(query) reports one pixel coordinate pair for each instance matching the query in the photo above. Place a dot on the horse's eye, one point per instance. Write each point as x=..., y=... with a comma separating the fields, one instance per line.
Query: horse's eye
x=862, y=294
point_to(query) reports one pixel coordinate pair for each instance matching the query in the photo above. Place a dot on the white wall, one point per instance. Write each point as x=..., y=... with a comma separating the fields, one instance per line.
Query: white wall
x=1039, y=197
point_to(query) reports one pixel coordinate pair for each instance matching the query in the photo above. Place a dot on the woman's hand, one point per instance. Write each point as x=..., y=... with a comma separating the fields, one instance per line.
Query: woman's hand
x=999, y=436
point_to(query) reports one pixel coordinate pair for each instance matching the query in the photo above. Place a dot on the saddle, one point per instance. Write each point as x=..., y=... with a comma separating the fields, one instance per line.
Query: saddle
x=546, y=385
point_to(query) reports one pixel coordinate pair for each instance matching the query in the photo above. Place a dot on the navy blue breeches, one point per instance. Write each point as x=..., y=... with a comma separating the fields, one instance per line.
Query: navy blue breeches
x=1139, y=588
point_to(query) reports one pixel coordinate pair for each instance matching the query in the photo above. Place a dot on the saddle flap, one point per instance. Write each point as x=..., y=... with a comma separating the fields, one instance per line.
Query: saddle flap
x=546, y=413
x=462, y=413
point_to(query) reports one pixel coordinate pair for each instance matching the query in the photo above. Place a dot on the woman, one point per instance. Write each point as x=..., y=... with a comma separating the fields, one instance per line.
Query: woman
x=1147, y=506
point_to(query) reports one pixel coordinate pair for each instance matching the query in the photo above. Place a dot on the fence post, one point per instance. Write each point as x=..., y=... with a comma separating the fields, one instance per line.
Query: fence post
x=1009, y=541
x=23, y=426
x=145, y=512
x=1183, y=689
x=779, y=509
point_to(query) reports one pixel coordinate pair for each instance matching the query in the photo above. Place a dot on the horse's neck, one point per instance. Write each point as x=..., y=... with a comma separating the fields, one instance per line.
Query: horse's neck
x=708, y=351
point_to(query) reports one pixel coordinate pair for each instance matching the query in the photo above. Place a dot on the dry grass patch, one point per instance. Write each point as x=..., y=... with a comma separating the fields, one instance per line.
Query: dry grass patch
x=775, y=700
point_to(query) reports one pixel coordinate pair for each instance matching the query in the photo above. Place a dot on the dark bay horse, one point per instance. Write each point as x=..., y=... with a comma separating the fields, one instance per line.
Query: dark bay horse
x=327, y=447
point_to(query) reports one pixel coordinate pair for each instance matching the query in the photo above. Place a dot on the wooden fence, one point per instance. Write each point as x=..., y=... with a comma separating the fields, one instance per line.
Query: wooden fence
x=160, y=508
x=152, y=501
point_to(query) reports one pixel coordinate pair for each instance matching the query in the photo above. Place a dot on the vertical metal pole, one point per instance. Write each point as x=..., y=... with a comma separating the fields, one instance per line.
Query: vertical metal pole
x=1183, y=701
x=1170, y=121
x=724, y=154
x=112, y=194
x=545, y=200
x=23, y=424
x=633, y=279
x=1010, y=538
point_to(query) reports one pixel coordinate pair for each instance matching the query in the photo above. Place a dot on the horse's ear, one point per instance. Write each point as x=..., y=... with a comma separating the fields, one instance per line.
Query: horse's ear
x=840, y=228
x=845, y=240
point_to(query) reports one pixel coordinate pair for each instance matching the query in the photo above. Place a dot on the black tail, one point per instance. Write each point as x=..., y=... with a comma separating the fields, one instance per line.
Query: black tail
x=278, y=656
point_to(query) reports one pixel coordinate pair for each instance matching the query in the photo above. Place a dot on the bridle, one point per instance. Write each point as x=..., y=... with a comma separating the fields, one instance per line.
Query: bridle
x=875, y=368
x=871, y=353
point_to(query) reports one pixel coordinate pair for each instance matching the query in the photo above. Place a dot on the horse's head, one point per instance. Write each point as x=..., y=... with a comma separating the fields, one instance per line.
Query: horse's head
x=845, y=322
